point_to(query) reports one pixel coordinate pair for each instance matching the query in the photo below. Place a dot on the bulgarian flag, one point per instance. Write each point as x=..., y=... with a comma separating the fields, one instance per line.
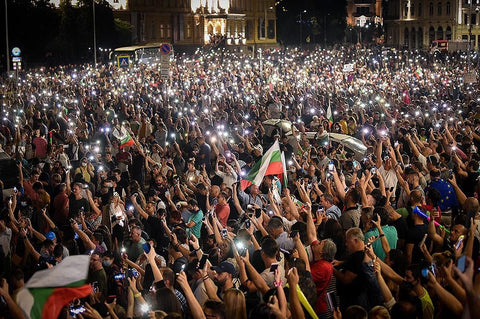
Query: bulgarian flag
x=124, y=136
x=49, y=290
x=329, y=115
x=271, y=163
x=419, y=72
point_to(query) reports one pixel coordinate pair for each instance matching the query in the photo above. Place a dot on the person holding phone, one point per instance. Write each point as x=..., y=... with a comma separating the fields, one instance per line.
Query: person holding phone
x=321, y=268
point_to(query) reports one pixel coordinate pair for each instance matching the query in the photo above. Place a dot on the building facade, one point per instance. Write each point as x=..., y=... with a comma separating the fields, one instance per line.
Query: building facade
x=361, y=12
x=414, y=24
x=200, y=22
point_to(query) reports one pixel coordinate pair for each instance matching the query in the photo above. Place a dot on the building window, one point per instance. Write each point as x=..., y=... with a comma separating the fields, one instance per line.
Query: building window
x=162, y=31
x=271, y=29
x=448, y=33
x=412, y=10
x=249, y=29
x=448, y=9
x=430, y=11
x=153, y=31
x=439, y=9
x=406, y=37
x=440, y=33
x=465, y=19
x=473, y=19
x=188, y=31
x=405, y=10
x=261, y=28
x=431, y=34
x=419, y=9
x=169, y=31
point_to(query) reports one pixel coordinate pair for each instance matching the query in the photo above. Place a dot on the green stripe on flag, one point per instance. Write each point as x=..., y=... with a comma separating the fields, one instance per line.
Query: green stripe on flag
x=40, y=296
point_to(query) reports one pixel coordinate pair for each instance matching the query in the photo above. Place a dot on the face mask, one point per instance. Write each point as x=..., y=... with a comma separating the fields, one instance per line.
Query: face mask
x=106, y=263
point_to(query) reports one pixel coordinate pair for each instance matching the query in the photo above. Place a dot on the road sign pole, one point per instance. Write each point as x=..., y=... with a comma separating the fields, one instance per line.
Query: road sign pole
x=7, y=56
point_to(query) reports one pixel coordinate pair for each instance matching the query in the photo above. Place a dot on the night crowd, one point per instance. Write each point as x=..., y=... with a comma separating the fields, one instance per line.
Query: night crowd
x=144, y=175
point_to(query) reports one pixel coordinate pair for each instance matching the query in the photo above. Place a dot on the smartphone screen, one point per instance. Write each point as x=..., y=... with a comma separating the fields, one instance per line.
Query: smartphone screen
x=460, y=240
x=331, y=167
x=461, y=263
x=203, y=261
x=293, y=233
x=146, y=247
x=273, y=267
x=331, y=301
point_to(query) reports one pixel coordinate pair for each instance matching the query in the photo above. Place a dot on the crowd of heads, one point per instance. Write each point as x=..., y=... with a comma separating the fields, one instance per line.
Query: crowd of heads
x=374, y=216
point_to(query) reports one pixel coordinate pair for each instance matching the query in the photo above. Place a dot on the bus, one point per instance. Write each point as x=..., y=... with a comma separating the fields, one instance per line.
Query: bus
x=149, y=53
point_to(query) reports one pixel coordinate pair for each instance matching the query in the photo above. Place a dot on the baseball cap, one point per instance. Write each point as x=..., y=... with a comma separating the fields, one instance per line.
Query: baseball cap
x=225, y=266
x=50, y=235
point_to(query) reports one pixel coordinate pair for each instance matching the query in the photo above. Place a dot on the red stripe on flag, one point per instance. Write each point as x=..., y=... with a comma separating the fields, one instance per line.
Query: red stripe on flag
x=128, y=143
x=61, y=297
x=274, y=168
x=244, y=183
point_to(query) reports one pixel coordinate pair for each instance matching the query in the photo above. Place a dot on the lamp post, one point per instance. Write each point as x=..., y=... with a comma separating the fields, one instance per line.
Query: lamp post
x=94, y=36
x=7, y=51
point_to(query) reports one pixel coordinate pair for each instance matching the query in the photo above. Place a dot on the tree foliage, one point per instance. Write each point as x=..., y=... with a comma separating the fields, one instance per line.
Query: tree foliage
x=48, y=35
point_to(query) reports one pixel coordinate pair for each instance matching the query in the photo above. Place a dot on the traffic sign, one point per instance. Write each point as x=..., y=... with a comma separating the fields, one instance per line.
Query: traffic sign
x=16, y=51
x=165, y=48
x=123, y=61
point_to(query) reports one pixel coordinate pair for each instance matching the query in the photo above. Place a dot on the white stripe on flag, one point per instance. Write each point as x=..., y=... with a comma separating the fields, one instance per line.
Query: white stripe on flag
x=70, y=270
x=265, y=163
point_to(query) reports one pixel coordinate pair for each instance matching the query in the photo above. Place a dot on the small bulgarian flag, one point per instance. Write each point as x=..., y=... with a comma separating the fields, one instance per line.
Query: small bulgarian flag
x=49, y=290
x=271, y=163
x=419, y=72
x=124, y=136
x=329, y=115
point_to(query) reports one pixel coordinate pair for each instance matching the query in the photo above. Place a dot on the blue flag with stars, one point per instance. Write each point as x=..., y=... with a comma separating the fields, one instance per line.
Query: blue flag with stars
x=448, y=198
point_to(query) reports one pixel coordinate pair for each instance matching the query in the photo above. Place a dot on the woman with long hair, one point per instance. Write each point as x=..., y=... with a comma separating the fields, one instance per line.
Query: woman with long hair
x=235, y=306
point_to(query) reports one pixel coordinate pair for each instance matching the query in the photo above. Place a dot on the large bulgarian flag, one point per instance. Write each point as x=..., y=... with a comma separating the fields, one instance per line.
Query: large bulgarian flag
x=271, y=163
x=124, y=136
x=49, y=290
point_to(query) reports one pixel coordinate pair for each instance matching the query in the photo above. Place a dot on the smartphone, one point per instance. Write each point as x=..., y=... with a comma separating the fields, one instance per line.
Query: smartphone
x=355, y=164
x=331, y=301
x=258, y=213
x=423, y=240
x=95, y=286
x=76, y=309
x=273, y=267
x=132, y=273
x=461, y=263
x=203, y=261
x=146, y=247
x=15, y=190
x=331, y=167
x=119, y=276
x=373, y=170
x=247, y=223
x=459, y=241
x=224, y=233
x=293, y=233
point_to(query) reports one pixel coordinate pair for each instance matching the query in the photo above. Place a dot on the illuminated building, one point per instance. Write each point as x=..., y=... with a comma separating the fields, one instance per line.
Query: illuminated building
x=416, y=23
